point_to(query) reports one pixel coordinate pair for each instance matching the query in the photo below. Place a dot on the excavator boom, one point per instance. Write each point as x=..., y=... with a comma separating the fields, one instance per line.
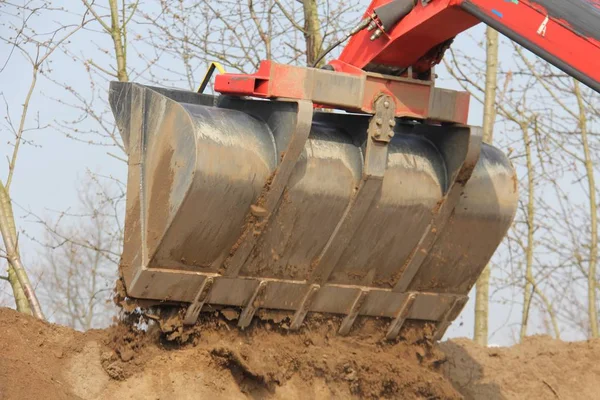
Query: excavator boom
x=566, y=33
x=389, y=211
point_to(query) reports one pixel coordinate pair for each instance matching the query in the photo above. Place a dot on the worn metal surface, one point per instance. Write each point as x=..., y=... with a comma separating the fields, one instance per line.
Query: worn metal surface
x=399, y=231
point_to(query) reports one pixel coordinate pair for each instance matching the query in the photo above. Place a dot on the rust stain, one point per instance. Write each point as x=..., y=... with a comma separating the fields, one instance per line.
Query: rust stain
x=515, y=181
x=438, y=205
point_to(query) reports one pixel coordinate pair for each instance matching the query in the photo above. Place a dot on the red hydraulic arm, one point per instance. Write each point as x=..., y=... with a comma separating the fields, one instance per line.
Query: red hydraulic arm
x=392, y=52
x=566, y=33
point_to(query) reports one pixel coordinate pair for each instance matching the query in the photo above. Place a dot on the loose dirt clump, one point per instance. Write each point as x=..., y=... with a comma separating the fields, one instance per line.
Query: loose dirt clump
x=41, y=360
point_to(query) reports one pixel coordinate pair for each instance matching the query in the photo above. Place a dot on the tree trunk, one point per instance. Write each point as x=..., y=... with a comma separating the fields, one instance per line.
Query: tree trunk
x=312, y=31
x=489, y=117
x=7, y=225
x=589, y=168
x=117, y=34
x=482, y=290
x=21, y=302
x=528, y=292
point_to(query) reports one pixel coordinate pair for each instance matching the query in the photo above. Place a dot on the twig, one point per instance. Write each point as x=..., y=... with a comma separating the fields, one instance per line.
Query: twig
x=117, y=157
x=107, y=72
x=551, y=388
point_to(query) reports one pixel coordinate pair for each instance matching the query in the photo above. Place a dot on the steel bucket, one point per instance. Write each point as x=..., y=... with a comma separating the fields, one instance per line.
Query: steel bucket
x=267, y=204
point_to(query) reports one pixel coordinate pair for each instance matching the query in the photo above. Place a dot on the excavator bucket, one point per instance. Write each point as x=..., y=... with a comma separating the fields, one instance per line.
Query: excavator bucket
x=261, y=204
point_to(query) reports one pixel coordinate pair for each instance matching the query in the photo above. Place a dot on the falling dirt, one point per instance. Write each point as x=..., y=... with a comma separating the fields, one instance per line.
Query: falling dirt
x=40, y=360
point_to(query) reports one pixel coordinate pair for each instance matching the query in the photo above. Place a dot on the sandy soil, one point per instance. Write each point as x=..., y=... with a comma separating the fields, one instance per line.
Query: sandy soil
x=40, y=360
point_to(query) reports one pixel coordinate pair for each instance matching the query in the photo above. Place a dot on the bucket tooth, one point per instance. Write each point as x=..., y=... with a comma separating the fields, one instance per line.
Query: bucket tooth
x=401, y=316
x=191, y=315
x=304, y=307
x=450, y=315
x=353, y=314
x=253, y=305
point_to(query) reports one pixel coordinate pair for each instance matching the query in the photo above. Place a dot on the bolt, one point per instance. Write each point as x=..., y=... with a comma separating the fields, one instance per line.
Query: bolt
x=386, y=104
x=377, y=134
x=392, y=123
x=379, y=121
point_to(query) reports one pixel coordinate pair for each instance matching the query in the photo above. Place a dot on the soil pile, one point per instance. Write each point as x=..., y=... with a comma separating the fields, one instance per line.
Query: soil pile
x=539, y=368
x=40, y=360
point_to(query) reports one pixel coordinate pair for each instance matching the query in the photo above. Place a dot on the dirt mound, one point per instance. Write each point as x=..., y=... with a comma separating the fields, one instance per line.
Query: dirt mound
x=539, y=368
x=40, y=360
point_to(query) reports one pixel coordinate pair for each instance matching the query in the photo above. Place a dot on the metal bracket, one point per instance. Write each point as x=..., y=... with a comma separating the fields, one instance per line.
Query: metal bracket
x=376, y=158
x=381, y=126
x=380, y=133
x=270, y=197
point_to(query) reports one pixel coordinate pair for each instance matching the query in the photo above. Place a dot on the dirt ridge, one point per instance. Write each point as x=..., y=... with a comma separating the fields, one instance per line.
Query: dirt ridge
x=41, y=360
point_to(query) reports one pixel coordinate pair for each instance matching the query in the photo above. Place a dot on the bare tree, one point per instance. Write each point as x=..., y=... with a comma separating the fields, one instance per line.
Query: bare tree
x=24, y=293
x=36, y=48
x=578, y=108
x=190, y=34
x=551, y=250
x=81, y=255
x=591, y=180
x=312, y=31
x=81, y=248
x=489, y=119
x=119, y=16
x=529, y=247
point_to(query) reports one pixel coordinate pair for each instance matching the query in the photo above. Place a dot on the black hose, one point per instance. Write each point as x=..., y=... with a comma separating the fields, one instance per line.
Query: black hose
x=391, y=13
x=329, y=50
x=363, y=24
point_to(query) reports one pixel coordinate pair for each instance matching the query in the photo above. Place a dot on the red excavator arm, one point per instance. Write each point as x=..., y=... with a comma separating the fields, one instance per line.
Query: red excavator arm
x=566, y=33
x=392, y=52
